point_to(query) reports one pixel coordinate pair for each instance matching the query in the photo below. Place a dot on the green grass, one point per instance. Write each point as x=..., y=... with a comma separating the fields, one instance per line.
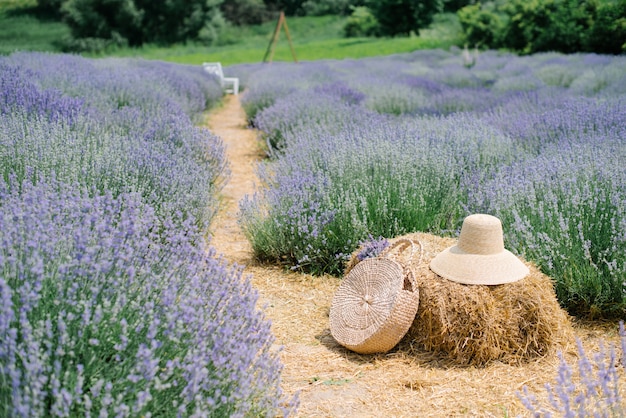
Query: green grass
x=21, y=29
x=312, y=50
x=314, y=38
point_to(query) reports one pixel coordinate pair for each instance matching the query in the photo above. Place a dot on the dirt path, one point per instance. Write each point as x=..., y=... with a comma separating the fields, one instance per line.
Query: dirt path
x=332, y=381
x=229, y=123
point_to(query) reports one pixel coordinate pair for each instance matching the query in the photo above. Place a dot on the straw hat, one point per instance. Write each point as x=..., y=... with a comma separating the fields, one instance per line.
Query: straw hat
x=479, y=257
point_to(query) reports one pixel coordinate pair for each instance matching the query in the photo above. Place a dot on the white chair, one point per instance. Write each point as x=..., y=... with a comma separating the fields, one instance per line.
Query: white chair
x=229, y=84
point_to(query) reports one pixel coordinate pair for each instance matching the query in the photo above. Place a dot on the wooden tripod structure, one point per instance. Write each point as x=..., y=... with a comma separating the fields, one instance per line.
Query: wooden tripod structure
x=269, y=54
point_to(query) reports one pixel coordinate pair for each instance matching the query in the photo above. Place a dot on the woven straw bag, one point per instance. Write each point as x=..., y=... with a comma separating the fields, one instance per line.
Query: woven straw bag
x=377, y=300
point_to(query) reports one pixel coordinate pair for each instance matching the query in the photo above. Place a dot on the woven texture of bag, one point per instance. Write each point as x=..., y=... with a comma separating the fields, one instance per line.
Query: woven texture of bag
x=377, y=300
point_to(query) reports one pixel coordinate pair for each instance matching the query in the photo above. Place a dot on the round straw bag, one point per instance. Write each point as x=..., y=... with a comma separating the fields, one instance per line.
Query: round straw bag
x=377, y=300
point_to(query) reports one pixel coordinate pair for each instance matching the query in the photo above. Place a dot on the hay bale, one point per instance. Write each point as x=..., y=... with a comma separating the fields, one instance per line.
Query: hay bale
x=477, y=324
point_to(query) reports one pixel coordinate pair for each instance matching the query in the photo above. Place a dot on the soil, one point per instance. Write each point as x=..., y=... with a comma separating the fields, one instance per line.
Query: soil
x=332, y=381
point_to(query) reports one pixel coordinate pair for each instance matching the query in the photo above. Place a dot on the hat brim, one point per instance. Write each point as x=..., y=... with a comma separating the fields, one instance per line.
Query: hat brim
x=459, y=266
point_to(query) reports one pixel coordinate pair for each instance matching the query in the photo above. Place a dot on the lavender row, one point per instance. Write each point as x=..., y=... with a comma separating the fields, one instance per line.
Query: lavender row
x=110, y=83
x=108, y=309
x=113, y=125
x=111, y=302
x=386, y=146
x=436, y=82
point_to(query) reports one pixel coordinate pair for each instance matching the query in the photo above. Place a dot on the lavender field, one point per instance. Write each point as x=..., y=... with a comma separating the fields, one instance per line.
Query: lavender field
x=379, y=147
x=111, y=302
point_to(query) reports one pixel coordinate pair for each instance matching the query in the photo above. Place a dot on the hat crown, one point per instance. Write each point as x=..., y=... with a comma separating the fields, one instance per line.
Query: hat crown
x=481, y=234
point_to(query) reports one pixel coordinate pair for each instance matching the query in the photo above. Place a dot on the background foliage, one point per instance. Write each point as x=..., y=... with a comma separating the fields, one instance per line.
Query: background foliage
x=547, y=25
x=135, y=22
x=239, y=30
x=22, y=28
x=401, y=17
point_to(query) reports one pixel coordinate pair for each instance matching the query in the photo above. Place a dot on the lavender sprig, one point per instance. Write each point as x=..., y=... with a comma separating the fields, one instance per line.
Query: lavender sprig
x=594, y=392
x=372, y=247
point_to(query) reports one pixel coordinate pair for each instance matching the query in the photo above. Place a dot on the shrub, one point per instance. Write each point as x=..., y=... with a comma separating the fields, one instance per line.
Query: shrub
x=607, y=34
x=600, y=78
x=569, y=219
x=328, y=104
x=50, y=8
x=454, y=5
x=107, y=309
x=482, y=24
x=557, y=75
x=401, y=17
x=278, y=80
x=290, y=7
x=392, y=98
x=93, y=45
x=143, y=21
x=328, y=7
x=546, y=25
x=361, y=22
x=245, y=12
x=112, y=130
x=333, y=187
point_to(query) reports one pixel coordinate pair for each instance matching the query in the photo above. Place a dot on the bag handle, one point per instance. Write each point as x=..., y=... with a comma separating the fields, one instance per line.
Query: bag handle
x=405, y=250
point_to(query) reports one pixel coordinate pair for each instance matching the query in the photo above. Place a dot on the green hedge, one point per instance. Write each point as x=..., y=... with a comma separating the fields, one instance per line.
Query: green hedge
x=529, y=26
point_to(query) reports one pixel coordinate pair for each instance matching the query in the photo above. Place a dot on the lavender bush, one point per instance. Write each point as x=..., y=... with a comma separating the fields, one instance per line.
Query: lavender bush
x=116, y=129
x=537, y=141
x=273, y=82
x=591, y=389
x=110, y=83
x=332, y=187
x=109, y=310
x=111, y=301
x=327, y=105
x=565, y=206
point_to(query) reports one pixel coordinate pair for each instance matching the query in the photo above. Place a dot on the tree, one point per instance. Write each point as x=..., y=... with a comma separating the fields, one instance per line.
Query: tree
x=360, y=23
x=136, y=22
x=330, y=7
x=530, y=26
x=50, y=8
x=607, y=34
x=290, y=7
x=482, y=24
x=104, y=19
x=454, y=5
x=545, y=25
x=401, y=17
x=245, y=12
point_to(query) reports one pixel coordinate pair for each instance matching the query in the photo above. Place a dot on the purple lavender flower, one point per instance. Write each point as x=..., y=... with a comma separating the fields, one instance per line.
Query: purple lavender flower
x=594, y=392
x=372, y=247
x=194, y=312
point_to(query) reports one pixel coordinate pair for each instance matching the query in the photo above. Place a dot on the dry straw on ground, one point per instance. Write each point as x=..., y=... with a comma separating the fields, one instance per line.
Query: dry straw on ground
x=478, y=324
